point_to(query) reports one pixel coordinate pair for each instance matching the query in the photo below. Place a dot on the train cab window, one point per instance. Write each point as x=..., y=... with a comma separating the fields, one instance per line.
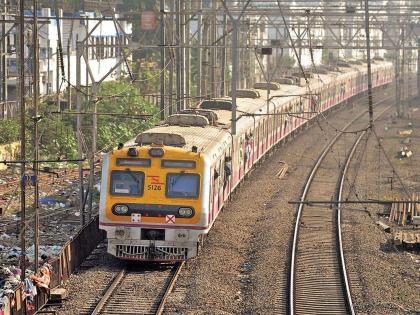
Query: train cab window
x=127, y=183
x=182, y=185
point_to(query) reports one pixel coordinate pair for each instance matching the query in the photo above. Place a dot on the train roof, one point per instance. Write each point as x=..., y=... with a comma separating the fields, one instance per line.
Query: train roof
x=210, y=134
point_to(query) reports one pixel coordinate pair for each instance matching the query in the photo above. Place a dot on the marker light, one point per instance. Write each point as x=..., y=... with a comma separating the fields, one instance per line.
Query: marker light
x=134, y=162
x=120, y=209
x=185, y=212
x=178, y=164
x=132, y=152
x=156, y=152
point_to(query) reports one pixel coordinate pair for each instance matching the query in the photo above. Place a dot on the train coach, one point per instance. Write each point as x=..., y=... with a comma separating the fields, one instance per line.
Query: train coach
x=162, y=192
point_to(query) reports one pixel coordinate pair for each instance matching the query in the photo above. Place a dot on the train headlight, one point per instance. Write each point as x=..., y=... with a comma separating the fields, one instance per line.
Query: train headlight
x=185, y=212
x=156, y=152
x=120, y=209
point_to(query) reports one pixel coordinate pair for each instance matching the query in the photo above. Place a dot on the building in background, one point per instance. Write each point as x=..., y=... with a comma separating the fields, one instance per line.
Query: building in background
x=102, y=49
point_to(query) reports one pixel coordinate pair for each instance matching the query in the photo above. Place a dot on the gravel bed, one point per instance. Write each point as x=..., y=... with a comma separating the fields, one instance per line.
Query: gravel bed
x=384, y=278
x=86, y=285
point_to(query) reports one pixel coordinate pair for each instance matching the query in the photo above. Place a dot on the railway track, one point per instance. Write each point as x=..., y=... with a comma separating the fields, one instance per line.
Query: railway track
x=138, y=291
x=317, y=274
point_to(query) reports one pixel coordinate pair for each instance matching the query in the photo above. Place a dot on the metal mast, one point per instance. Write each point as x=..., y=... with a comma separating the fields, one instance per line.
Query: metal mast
x=162, y=60
x=369, y=66
x=22, y=135
x=35, y=76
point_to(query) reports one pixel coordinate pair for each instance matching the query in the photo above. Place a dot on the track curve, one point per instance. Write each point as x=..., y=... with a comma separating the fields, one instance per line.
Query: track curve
x=317, y=280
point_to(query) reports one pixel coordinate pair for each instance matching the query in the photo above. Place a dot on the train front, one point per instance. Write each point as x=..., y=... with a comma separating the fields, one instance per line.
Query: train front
x=152, y=202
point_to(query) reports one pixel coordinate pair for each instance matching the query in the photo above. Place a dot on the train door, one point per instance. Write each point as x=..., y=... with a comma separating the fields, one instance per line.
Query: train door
x=249, y=149
x=227, y=173
x=286, y=122
x=281, y=123
x=237, y=162
x=217, y=173
x=256, y=141
x=264, y=135
x=212, y=196
x=244, y=154
x=259, y=140
x=270, y=131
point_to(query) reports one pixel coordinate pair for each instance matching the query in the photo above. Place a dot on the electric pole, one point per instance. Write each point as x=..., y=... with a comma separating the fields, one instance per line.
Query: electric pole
x=397, y=80
x=418, y=66
x=182, y=51
x=162, y=59
x=22, y=135
x=35, y=76
x=402, y=85
x=187, y=55
x=369, y=66
x=94, y=145
x=223, y=61
x=234, y=71
x=212, y=61
x=200, y=42
x=3, y=61
x=79, y=131
x=178, y=54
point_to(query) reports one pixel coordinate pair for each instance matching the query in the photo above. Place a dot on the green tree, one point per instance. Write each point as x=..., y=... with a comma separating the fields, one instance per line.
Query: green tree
x=9, y=130
x=57, y=138
x=121, y=97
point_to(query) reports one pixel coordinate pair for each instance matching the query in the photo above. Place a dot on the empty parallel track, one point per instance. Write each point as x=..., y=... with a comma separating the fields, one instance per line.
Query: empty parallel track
x=317, y=275
x=139, y=291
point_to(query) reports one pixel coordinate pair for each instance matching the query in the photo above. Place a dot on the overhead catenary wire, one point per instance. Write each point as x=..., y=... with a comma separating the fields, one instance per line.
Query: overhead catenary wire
x=320, y=113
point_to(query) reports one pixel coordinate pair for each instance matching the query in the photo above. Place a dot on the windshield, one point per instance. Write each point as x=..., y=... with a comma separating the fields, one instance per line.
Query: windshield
x=182, y=185
x=127, y=183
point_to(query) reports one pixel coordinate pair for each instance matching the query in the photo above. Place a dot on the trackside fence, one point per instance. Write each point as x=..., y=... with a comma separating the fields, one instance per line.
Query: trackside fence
x=71, y=256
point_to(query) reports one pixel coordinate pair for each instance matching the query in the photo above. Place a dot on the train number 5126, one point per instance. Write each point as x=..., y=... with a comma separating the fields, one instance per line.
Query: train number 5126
x=154, y=187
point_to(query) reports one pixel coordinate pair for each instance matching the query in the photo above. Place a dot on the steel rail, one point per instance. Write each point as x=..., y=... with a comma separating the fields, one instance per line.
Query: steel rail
x=169, y=288
x=339, y=231
x=115, y=282
x=118, y=282
x=305, y=190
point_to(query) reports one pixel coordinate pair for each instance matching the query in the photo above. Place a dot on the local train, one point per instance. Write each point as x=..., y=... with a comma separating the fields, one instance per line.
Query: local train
x=162, y=191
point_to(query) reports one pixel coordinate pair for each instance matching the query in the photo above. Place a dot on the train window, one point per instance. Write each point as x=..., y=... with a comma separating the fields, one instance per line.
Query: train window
x=127, y=183
x=178, y=164
x=182, y=185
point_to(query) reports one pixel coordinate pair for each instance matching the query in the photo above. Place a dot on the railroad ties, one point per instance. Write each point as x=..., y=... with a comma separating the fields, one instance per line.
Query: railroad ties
x=318, y=281
x=138, y=290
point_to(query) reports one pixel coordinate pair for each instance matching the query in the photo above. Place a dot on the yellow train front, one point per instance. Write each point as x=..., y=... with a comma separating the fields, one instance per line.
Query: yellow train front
x=151, y=202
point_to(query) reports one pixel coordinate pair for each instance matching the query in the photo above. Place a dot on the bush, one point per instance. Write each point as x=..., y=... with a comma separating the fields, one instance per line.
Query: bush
x=9, y=130
x=58, y=140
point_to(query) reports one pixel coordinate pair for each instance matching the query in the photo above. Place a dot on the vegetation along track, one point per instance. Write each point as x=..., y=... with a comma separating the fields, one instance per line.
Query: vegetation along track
x=137, y=290
x=317, y=280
